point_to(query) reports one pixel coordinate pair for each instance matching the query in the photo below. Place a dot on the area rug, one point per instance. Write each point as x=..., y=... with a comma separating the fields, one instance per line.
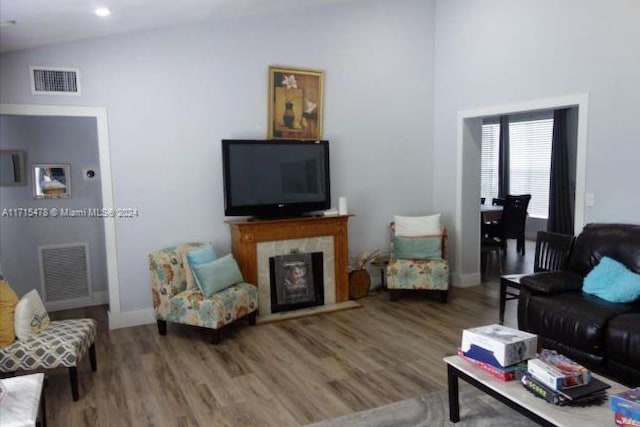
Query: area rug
x=432, y=409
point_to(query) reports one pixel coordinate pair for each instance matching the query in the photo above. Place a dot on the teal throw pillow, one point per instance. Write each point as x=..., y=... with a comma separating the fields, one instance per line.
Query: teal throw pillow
x=612, y=281
x=217, y=275
x=200, y=256
x=418, y=247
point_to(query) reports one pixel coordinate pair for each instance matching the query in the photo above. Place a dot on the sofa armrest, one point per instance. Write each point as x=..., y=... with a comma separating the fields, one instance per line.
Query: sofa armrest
x=549, y=282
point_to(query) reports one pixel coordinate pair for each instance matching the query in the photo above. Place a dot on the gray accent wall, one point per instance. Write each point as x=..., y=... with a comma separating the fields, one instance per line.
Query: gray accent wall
x=68, y=140
x=171, y=95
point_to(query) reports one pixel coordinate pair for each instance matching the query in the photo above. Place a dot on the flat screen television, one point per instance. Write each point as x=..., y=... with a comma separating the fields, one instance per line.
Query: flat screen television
x=277, y=178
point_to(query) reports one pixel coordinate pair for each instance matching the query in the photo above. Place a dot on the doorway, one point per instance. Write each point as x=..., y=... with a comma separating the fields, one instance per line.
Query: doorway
x=99, y=116
x=467, y=236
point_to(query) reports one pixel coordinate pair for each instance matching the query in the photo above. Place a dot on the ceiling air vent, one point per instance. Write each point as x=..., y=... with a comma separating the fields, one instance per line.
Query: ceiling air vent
x=55, y=81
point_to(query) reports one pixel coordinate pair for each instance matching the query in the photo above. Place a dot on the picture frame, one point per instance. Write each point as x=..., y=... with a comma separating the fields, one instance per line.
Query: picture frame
x=295, y=103
x=51, y=181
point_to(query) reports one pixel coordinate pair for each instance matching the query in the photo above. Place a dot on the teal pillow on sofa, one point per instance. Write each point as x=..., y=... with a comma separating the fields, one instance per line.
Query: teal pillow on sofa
x=200, y=256
x=217, y=275
x=612, y=281
x=428, y=247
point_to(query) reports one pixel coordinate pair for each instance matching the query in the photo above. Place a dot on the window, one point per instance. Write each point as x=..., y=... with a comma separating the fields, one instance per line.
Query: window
x=489, y=161
x=530, y=138
x=530, y=162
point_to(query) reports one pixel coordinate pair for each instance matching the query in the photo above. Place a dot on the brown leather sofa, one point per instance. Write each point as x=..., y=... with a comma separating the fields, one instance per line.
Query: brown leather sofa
x=603, y=336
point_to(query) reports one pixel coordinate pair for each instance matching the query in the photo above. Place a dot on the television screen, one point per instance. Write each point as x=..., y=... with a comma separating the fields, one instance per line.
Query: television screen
x=275, y=178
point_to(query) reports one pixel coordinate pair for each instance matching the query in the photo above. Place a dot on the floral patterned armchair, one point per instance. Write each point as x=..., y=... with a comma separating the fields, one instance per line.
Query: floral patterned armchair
x=173, y=302
x=404, y=275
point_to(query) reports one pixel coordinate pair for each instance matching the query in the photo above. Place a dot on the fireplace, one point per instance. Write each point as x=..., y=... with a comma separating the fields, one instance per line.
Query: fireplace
x=296, y=281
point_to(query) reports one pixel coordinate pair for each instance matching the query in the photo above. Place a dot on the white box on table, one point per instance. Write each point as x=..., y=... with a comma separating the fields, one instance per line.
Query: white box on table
x=498, y=345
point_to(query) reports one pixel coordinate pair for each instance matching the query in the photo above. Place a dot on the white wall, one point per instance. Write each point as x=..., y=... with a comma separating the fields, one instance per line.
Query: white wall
x=172, y=95
x=497, y=52
x=70, y=140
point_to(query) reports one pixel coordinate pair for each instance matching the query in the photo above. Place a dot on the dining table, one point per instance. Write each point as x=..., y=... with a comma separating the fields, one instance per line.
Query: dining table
x=491, y=213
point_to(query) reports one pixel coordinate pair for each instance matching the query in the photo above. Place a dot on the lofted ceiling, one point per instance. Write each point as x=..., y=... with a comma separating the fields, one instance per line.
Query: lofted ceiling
x=41, y=22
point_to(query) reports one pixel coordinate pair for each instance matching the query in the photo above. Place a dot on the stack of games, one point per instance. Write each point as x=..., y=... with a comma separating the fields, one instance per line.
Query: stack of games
x=499, y=350
x=561, y=381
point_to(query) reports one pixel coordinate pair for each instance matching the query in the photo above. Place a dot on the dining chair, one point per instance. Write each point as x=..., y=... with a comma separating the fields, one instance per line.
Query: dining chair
x=488, y=246
x=552, y=251
x=512, y=223
x=514, y=220
x=497, y=201
x=552, y=254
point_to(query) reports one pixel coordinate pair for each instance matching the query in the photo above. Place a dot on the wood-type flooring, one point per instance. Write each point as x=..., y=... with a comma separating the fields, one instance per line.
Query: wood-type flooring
x=288, y=373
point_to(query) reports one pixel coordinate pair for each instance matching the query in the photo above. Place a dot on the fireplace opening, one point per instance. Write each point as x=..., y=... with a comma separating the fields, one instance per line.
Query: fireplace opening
x=296, y=281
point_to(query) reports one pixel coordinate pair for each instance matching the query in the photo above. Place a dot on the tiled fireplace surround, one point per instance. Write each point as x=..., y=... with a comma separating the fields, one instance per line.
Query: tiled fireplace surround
x=254, y=242
x=282, y=247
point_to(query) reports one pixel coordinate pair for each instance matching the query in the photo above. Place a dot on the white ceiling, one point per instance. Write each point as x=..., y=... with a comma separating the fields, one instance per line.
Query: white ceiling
x=41, y=22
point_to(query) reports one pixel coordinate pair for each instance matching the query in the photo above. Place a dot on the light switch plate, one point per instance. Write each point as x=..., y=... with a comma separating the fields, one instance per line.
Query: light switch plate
x=588, y=199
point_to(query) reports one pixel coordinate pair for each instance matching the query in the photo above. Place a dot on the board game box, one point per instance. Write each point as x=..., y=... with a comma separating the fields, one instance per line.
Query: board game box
x=498, y=345
x=627, y=404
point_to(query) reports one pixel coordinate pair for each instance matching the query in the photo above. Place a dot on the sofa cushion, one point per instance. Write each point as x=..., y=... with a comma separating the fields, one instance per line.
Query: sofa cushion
x=577, y=319
x=612, y=281
x=618, y=241
x=418, y=247
x=623, y=340
x=63, y=343
x=411, y=226
x=8, y=301
x=217, y=275
x=195, y=258
x=192, y=308
x=184, y=251
x=30, y=317
x=552, y=281
x=417, y=274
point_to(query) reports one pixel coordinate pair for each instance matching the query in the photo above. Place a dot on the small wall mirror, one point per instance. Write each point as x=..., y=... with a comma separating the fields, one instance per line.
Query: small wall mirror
x=12, y=169
x=51, y=181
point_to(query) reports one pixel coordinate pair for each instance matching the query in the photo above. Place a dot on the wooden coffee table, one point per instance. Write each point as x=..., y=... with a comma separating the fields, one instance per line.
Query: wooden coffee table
x=514, y=395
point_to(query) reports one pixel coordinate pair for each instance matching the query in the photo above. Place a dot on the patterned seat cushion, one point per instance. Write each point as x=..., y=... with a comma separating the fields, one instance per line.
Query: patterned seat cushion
x=192, y=308
x=63, y=343
x=418, y=274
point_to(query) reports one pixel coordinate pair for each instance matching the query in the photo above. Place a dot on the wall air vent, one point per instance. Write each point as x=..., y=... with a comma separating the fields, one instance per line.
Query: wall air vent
x=55, y=81
x=65, y=273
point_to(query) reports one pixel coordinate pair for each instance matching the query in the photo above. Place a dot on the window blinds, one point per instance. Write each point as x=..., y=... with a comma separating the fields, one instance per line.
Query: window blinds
x=530, y=138
x=530, y=162
x=489, y=161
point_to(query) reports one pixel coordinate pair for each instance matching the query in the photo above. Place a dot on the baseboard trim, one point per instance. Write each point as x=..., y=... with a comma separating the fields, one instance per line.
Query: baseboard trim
x=466, y=280
x=97, y=298
x=127, y=319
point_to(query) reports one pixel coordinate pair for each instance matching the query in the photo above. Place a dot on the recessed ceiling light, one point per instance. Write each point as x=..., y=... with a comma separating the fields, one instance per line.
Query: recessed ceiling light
x=102, y=12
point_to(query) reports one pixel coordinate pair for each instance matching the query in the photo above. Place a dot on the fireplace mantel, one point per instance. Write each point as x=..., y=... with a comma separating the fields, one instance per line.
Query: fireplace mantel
x=245, y=236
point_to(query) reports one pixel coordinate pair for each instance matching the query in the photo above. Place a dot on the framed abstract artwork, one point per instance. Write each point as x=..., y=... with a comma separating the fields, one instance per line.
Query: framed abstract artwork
x=295, y=103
